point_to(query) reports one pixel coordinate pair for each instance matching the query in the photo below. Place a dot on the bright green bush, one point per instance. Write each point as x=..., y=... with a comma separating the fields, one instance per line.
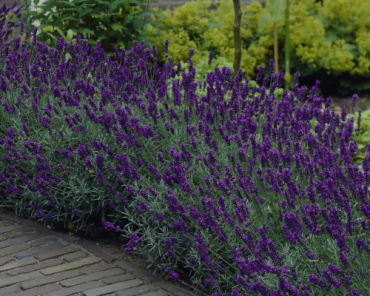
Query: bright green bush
x=329, y=40
x=114, y=23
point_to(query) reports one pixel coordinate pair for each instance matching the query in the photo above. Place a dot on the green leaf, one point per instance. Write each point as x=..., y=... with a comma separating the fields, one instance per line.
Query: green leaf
x=36, y=2
x=51, y=35
x=361, y=146
x=99, y=16
x=33, y=13
x=114, y=5
x=144, y=14
x=265, y=18
x=15, y=20
x=365, y=113
x=60, y=32
x=84, y=11
x=44, y=26
x=128, y=19
x=330, y=37
x=86, y=31
x=278, y=9
x=69, y=35
x=117, y=26
x=353, y=49
x=102, y=37
x=68, y=18
x=56, y=13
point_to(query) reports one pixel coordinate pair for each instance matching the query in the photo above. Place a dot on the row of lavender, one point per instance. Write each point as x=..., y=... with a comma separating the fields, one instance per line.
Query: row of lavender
x=239, y=196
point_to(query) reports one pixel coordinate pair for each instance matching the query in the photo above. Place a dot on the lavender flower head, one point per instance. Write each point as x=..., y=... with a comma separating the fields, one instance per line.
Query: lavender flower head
x=260, y=72
x=166, y=42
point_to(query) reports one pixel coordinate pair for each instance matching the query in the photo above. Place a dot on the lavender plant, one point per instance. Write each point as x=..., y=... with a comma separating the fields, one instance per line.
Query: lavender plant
x=8, y=16
x=237, y=196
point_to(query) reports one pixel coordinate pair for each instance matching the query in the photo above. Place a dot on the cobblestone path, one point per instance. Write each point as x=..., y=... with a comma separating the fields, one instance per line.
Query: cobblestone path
x=33, y=263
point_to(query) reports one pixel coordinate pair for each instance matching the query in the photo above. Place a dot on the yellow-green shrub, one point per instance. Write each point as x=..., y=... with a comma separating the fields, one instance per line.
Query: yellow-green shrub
x=333, y=38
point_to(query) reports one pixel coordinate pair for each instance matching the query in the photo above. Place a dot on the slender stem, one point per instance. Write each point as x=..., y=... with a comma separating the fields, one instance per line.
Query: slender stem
x=276, y=49
x=287, y=47
x=237, y=37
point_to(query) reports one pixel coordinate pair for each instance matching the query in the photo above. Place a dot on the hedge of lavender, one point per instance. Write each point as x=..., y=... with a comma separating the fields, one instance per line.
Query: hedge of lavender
x=237, y=197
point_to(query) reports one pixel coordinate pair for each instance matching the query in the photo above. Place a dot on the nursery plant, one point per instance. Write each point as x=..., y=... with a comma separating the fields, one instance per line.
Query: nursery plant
x=255, y=194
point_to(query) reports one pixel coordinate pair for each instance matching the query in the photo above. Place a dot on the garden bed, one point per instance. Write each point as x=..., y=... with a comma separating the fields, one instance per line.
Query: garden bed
x=233, y=188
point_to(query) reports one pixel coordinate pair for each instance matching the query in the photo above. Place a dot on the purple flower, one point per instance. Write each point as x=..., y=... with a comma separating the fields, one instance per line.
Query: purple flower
x=210, y=57
x=135, y=241
x=173, y=275
x=259, y=74
x=83, y=151
x=77, y=212
x=166, y=42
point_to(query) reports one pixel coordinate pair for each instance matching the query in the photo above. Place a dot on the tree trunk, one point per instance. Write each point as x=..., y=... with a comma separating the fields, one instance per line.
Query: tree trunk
x=287, y=47
x=237, y=37
x=276, y=49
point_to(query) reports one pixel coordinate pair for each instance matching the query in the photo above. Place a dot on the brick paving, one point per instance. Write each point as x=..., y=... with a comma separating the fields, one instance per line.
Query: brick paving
x=34, y=262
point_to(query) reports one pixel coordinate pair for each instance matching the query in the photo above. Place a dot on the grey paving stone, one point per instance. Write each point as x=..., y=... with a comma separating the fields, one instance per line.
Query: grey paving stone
x=30, y=268
x=91, y=277
x=113, y=288
x=157, y=293
x=173, y=289
x=97, y=250
x=43, y=241
x=118, y=278
x=9, y=290
x=6, y=259
x=18, y=278
x=38, y=291
x=73, y=256
x=39, y=250
x=18, y=263
x=95, y=268
x=55, y=253
x=20, y=232
x=49, y=279
x=8, y=228
x=140, y=273
x=20, y=239
x=13, y=249
x=75, y=289
x=136, y=290
x=3, y=237
x=5, y=223
x=69, y=266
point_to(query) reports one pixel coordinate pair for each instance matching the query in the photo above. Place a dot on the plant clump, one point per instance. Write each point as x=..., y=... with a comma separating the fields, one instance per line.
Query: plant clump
x=237, y=196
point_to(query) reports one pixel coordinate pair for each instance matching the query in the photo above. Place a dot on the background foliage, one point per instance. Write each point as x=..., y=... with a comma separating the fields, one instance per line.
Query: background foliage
x=331, y=40
x=114, y=23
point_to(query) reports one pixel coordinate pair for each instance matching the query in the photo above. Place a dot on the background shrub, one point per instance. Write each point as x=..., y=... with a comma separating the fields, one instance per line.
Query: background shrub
x=114, y=23
x=329, y=44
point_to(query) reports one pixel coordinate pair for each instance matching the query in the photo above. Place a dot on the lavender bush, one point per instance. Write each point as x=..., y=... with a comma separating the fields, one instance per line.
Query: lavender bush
x=238, y=196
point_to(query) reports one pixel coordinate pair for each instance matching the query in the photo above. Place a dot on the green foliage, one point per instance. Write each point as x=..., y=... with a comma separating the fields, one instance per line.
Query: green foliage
x=363, y=135
x=278, y=9
x=115, y=23
x=331, y=41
